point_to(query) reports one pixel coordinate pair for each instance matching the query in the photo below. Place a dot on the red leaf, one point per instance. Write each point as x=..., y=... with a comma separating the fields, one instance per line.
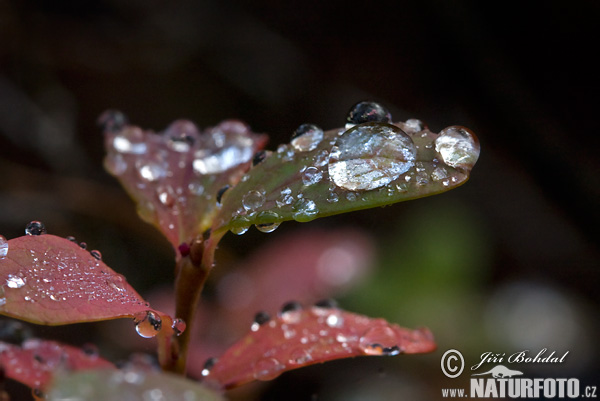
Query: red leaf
x=36, y=361
x=299, y=338
x=51, y=280
x=175, y=176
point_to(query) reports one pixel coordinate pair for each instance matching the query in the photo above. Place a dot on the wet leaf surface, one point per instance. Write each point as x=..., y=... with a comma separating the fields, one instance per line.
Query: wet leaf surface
x=175, y=176
x=367, y=165
x=299, y=337
x=35, y=362
x=50, y=280
x=129, y=385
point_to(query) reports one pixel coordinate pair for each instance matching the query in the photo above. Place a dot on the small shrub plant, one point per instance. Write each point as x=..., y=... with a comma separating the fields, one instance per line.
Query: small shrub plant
x=196, y=186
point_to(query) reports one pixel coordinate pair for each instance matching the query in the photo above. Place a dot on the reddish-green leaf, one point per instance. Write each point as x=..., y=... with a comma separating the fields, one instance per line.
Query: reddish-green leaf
x=175, y=176
x=37, y=361
x=46, y=279
x=368, y=165
x=298, y=338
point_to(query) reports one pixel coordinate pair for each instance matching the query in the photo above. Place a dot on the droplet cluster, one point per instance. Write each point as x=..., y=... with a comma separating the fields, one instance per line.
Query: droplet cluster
x=370, y=160
x=176, y=176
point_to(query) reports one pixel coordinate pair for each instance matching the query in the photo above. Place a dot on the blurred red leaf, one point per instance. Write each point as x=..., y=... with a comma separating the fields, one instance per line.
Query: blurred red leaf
x=175, y=176
x=298, y=338
x=51, y=280
x=36, y=361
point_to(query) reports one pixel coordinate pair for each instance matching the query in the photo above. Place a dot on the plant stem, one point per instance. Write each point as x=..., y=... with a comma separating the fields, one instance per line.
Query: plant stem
x=192, y=272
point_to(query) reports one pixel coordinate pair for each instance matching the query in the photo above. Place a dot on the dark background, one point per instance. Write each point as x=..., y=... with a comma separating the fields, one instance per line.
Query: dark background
x=523, y=76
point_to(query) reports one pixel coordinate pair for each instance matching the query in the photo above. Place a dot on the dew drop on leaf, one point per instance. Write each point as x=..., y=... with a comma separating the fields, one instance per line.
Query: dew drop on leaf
x=148, y=324
x=15, y=281
x=304, y=210
x=96, y=254
x=457, y=147
x=299, y=356
x=208, y=365
x=307, y=137
x=259, y=319
x=364, y=112
x=376, y=339
x=35, y=228
x=178, y=326
x=414, y=125
x=311, y=176
x=130, y=140
x=370, y=156
x=439, y=173
x=253, y=200
x=181, y=135
x=266, y=369
x=3, y=247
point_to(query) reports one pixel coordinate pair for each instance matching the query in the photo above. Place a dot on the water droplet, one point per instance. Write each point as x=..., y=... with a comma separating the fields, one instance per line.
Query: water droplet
x=96, y=254
x=370, y=156
x=304, y=210
x=364, y=112
x=438, y=174
x=414, y=125
x=148, y=324
x=266, y=369
x=3, y=247
x=15, y=281
x=90, y=350
x=376, y=339
x=35, y=228
x=235, y=150
x=290, y=307
x=327, y=303
x=253, y=200
x=287, y=153
x=130, y=140
x=208, y=365
x=300, y=356
x=112, y=121
x=178, y=326
x=259, y=319
x=422, y=178
x=83, y=245
x=457, y=147
x=332, y=197
x=334, y=320
x=152, y=171
x=311, y=176
x=241, y=225
x=260, y=156
x=220, y=194
x=307, y=137
x=181, y=135
x=351, y=196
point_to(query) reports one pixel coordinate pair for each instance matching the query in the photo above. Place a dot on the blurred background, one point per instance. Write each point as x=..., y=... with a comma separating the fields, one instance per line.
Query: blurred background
x=508, y=262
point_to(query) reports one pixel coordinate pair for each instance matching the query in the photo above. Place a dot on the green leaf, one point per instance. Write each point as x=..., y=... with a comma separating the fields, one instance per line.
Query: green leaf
x=368, y=165
x=126, y=385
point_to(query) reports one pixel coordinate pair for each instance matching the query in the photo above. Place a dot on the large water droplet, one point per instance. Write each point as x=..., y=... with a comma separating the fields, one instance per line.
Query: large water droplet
x=241, y=225
x=307, y=137
x=253, y=200
x=364, y=112
x=370, y=156
x=457, y=147
x=267, y=369
x=304, y=210
x=35, y=228
x=15, y=281
x=96, y=254
x=378, y=340
x=311, y=176
x=267, y=221
x=3, y=247
x=148, y=324
x=130, y=140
